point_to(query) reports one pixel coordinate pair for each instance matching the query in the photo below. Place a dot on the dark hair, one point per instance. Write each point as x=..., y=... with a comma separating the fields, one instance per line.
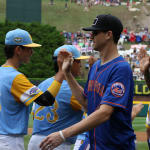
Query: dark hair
x=55, y=64
x=9, y=50
x=116, y=37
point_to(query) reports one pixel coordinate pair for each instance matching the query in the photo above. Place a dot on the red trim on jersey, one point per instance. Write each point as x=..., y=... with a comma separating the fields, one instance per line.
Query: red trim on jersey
x=108, y=67
x=84, y=94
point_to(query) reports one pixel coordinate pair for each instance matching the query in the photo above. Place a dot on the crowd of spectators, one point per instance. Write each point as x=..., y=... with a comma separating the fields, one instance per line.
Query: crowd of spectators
x=84, y=44
x=132, y=59
x=83, y=39
x=136, y=37
x=98, y=2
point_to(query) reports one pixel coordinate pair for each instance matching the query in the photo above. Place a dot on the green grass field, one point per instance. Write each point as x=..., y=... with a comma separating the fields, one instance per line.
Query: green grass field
x=138, y=125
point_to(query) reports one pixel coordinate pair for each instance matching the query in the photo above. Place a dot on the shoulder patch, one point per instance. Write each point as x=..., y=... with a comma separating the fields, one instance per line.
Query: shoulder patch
x=117, y=89
x=34, y=91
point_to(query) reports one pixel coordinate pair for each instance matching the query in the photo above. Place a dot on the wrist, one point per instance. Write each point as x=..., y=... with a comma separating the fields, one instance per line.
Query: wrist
x=59, y=76
x=62, y=136
x=67, y=74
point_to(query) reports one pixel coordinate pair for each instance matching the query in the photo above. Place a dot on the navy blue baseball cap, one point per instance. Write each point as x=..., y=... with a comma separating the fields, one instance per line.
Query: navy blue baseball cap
x=72, y=49
x=106, y=22
x=20, y=37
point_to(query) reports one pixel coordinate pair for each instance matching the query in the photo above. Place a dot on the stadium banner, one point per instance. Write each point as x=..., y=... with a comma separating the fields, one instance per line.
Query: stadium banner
x=141, y=89
x=23, y=10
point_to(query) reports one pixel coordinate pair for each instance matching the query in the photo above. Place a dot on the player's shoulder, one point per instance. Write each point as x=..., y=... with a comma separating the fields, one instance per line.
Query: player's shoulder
x=121, y=66
x=46, y=83
x=97, y=63
x=121, y=62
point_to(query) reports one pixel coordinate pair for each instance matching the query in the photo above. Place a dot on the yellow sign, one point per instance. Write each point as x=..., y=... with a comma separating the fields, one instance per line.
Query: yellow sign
x=143, y=102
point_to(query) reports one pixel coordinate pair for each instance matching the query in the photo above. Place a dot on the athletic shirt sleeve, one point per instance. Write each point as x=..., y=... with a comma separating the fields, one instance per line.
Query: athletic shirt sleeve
x=24, y=91
x=75, y=104
x=118, y=90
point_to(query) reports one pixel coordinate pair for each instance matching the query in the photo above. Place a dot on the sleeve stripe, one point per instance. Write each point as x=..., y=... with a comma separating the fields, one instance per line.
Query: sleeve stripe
x=75, y=104
x=113, y=103
x=54, y=88
x=31, y=99
x=27, y=94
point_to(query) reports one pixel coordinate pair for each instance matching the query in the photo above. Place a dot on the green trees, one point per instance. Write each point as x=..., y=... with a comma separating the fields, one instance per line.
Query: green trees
x=41, y=64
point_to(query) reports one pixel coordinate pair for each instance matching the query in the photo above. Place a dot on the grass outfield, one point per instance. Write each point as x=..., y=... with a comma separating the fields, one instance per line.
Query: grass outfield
x=138, y=125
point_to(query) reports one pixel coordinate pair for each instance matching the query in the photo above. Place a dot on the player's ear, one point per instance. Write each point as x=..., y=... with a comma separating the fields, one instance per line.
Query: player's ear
x=109, y=35
x=17, y=50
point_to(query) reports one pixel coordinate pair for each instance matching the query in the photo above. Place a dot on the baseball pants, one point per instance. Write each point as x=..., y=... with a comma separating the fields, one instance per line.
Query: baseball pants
x=37, y=139
x=9, y=142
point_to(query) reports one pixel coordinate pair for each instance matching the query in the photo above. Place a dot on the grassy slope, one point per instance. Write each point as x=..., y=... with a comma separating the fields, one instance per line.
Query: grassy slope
x=74, y=18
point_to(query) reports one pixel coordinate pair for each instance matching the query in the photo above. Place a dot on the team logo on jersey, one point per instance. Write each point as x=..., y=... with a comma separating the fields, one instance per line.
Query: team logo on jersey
x=34, y=90
x=18, y=39
x=118, y=89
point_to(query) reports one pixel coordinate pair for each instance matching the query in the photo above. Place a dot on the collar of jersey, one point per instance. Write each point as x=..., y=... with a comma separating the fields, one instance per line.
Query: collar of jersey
x=8, y=66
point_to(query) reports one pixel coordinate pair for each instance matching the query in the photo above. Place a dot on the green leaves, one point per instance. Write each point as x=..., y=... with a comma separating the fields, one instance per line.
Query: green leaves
x=41, y=64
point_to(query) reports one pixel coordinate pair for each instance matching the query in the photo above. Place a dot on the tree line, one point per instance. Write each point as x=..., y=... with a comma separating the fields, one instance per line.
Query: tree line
x=41, y=63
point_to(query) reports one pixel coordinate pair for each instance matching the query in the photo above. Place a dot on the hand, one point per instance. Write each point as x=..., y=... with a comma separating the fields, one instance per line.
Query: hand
x=144, y=61
x=67, y=61
x=137, y=108
x=51, y=141
x=60, y=59
x=92, y=60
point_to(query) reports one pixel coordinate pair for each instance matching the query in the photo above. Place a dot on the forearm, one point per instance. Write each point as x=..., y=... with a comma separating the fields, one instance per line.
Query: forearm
x=59, y=76
x=48, y=97
x=133, y=115
x=76, y=89
x=96, y=118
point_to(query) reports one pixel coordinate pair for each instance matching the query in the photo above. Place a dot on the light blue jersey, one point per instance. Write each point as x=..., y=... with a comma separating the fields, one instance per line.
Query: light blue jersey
x=13, y=114
x=65, y=112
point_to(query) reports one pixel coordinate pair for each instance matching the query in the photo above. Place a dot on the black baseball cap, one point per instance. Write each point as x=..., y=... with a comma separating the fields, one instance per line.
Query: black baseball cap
x=106, y=22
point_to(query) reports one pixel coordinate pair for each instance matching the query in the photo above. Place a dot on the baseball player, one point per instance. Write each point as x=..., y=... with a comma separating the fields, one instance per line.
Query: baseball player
x=17, y=92
x=107, y=96
x=144, y=60
x=66, y=110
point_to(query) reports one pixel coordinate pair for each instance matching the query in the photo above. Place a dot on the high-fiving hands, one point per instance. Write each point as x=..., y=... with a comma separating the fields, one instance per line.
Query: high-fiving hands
x=67, y=61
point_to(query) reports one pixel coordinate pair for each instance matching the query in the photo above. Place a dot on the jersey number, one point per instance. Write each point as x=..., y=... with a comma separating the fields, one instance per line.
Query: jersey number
x=48, y=115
